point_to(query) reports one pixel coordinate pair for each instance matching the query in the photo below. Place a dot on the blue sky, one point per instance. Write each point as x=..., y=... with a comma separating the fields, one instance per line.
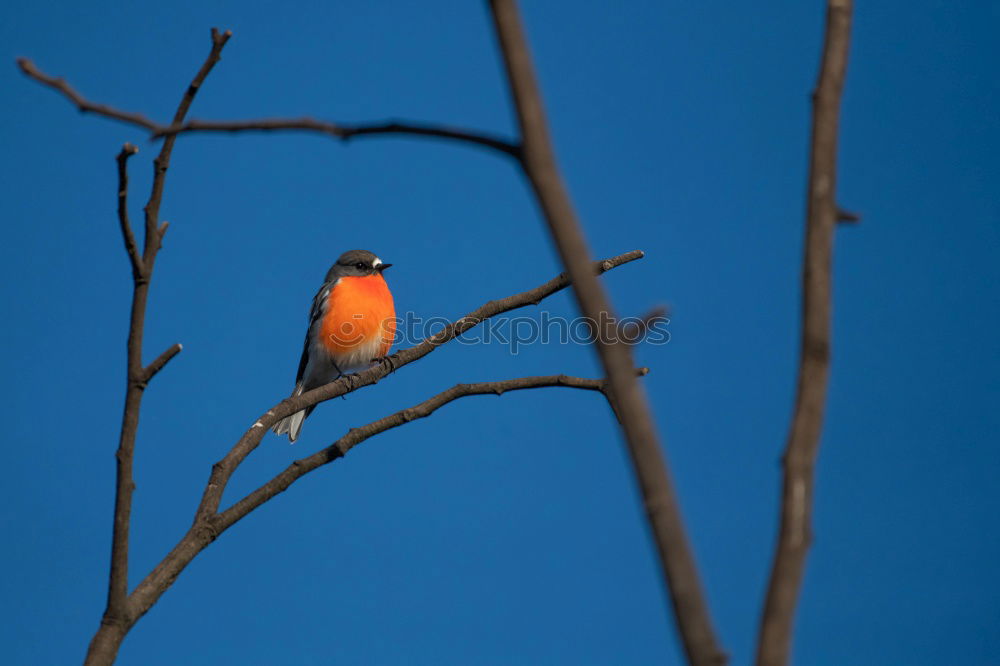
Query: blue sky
x=506, y=530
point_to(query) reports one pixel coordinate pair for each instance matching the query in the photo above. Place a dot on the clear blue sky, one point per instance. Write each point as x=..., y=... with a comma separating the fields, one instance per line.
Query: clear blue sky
x=506, y=530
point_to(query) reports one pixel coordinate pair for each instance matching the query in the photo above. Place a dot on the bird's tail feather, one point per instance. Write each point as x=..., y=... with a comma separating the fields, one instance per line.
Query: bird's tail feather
x=291, y=425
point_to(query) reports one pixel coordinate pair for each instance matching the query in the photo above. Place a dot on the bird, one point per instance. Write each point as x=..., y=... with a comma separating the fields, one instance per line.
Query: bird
x=351, y=324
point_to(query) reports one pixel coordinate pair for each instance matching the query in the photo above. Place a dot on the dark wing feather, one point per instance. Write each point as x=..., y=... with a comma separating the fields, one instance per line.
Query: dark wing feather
x=318, y=307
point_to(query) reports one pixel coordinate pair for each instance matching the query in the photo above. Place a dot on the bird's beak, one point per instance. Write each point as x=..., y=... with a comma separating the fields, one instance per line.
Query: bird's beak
x=382, y=267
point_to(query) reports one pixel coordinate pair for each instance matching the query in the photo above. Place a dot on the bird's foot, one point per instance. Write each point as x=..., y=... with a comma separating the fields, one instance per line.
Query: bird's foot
x=350, y=380
x=386, y=361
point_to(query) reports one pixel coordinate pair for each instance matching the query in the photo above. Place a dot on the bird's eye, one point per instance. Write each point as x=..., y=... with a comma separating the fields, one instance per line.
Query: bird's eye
x=360, y=266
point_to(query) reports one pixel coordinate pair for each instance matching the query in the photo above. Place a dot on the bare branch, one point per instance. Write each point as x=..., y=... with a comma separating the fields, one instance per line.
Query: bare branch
x=847, y=216
x=206, y=526
x=119, y=614
x=775, y=638
x=635, y=330
x=223, y=470
x=355, y=436
x=82, y=104
x=648, y=464
x=344, y=132
x=162, y=162
x=123, y=218
x=157, y=364
x=204, y=531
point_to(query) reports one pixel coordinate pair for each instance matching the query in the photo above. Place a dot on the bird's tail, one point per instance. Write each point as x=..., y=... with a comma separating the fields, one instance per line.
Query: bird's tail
x=292, y=424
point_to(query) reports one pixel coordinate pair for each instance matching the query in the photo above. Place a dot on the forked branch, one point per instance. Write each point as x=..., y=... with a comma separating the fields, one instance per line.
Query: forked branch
x=223, y=470
x=355, y=436
x=118, y=613
x=209, y=523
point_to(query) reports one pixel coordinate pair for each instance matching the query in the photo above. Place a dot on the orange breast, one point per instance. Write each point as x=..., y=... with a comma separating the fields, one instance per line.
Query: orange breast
x=360, y=315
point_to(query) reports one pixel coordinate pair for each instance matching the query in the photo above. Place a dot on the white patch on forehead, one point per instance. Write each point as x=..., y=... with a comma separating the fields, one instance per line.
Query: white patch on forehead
x=377, y=262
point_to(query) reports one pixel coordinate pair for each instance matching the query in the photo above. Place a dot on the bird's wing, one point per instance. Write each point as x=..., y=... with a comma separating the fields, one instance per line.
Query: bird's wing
x=315, y=315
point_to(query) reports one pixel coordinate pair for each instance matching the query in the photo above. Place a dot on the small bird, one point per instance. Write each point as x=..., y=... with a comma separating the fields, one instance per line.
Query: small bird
x=351, y=324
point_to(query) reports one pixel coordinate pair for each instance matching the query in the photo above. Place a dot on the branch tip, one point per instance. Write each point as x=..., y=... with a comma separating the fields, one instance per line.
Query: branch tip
x=160, y=361
x=848, y=217
x=220, y=38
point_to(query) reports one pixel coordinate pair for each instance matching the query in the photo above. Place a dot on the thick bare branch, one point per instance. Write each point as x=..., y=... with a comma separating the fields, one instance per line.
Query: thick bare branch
x=118, y=614
x=648, y=464
x=794, y=537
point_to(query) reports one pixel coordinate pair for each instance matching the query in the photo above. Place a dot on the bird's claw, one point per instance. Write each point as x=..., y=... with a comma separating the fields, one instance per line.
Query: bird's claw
x=389, y=361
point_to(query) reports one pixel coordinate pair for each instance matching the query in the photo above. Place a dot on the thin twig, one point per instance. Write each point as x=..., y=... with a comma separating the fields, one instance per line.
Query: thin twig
x=795, y=535
x=847, y=217
x=127, y=151
x=633, y=331
x=157, y=363
x=81, y=103
x=154, y=235
x=343, y=131
x=648, y=464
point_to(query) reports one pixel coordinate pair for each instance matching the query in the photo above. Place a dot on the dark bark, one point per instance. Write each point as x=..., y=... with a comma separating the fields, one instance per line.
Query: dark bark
x=342, y=131
x=118, y=615
x=648, y=464
x=822, y=215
